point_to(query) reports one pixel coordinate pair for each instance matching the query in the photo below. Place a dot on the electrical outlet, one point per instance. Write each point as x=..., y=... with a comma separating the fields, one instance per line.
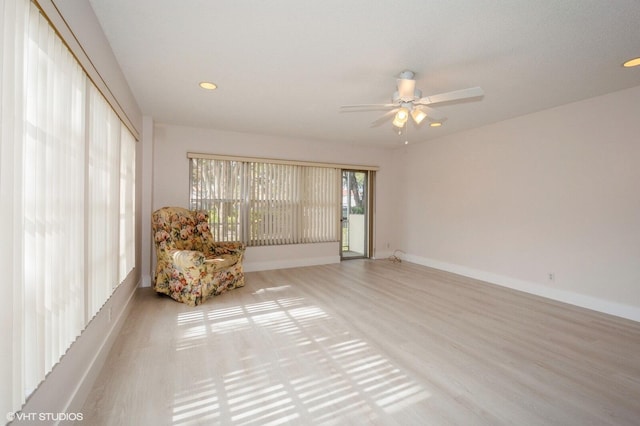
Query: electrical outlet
x=552, y=276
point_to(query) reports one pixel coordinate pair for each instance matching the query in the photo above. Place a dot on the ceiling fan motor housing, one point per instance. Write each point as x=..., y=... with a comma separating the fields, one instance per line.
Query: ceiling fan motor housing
x=417, y=94
x=406, y=75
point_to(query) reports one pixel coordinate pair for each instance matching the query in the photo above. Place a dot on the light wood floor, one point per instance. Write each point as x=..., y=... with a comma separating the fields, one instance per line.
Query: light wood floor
x=369, y=342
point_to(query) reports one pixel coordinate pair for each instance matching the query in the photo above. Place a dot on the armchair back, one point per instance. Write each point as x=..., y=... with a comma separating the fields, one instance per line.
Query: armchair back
x=181, y=229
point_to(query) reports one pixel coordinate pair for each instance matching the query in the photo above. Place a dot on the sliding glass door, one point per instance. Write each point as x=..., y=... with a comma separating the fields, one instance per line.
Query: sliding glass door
x=355, y=219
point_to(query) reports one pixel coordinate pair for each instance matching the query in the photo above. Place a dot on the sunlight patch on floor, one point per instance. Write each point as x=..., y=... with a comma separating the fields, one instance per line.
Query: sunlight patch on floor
x=316, y=370
x=200, y=402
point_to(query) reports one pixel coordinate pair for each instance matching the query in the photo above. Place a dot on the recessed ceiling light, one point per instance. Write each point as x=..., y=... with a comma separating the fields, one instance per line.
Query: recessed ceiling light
x=632, y=63
x=435, y=124
x=208, y=85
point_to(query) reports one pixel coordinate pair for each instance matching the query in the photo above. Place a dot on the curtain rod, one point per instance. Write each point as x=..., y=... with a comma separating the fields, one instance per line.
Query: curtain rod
x=280, y=161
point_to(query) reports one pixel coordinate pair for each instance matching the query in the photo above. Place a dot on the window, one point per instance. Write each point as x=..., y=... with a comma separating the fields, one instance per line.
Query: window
x=67, y=182
x=264, y=203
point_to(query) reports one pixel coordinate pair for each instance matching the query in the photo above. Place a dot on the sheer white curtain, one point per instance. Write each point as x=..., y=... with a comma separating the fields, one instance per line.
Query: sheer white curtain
x=67, y=186
x=14, y=22
x=42, y=187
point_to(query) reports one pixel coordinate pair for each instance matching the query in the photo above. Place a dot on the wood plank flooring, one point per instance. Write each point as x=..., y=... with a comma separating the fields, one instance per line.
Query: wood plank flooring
x=368, y=342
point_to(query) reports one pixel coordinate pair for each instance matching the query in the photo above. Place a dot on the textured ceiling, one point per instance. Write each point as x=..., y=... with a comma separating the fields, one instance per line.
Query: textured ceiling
x=284, y=67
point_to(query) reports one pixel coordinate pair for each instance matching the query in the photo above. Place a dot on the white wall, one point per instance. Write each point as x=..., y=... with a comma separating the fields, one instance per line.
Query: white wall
x=171, y=180
x=551, y=192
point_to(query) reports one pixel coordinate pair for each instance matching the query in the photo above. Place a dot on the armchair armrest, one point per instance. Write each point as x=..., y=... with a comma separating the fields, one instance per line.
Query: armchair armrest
x=231, y=247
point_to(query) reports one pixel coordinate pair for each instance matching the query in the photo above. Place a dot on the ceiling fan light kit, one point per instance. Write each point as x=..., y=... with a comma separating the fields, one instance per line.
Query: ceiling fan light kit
x=401, y=117
x=418, y=115
x=408, y=100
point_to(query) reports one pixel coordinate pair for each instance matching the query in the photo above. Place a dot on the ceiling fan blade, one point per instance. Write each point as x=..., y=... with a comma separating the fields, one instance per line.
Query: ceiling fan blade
x=370, y=106
x=472, y=92
x=406, y=89
x=384, y=118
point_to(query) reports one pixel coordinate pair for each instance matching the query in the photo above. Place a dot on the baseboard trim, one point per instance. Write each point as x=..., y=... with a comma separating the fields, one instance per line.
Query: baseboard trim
x=94, y=368
x=289, y=263
x=66, y=387
x=572, y=298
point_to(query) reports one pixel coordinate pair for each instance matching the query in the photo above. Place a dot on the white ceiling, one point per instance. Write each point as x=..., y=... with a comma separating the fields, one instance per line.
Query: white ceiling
x=284, y=67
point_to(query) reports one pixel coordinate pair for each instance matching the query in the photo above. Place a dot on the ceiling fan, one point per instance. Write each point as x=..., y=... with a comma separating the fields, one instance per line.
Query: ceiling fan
x=408, y=101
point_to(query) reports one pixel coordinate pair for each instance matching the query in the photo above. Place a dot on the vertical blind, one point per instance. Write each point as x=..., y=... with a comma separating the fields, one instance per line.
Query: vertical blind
x=52, y=157
x=127, y=224
x=216, y=186
x=67, y=181
x=262, y=203
x=103, y=206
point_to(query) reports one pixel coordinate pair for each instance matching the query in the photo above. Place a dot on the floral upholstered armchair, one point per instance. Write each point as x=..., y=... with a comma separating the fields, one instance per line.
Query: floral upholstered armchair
x=191, y=266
